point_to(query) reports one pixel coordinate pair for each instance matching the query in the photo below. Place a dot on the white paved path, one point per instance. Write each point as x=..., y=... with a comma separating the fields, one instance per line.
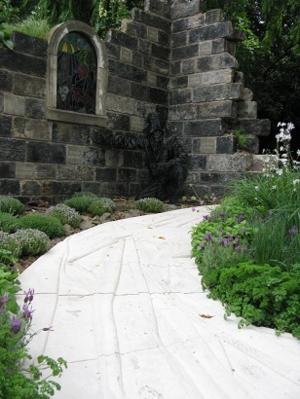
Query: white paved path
x=125, y=302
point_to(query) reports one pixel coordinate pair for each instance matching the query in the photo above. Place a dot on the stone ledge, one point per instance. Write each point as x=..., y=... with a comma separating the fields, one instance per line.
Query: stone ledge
x=76, y=118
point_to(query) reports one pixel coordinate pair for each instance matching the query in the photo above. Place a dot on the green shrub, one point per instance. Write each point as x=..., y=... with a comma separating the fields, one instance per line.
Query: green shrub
x=152, y=205
x=48, y=224
x=32, y=242
x=9, y=285
x=84, y=194
x=65, y=214
x=101, y=205
x=80, y=204
x=8, y=243
x=8, y=223
x=11, y=205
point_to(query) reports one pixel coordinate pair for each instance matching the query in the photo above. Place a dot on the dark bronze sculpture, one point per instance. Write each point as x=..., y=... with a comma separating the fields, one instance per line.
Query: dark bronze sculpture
x=166, y=160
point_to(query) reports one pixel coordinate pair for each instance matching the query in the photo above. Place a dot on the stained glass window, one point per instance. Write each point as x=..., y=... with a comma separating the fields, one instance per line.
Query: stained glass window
x=76, y=74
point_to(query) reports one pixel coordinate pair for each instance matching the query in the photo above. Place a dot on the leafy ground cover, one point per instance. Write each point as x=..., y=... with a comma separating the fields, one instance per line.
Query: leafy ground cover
x=248, y=249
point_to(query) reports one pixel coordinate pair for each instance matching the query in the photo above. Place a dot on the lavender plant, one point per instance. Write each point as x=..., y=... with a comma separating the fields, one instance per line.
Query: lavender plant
x=8, y=222
x=11, y=205
x=32, y=242
x=8, y=243
x=48, y=224
x=152, y=205
x=102, y=205
x=65, y=214
x=15, y=335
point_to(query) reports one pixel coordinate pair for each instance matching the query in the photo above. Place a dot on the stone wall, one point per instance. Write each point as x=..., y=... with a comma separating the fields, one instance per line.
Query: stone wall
x=169, y=58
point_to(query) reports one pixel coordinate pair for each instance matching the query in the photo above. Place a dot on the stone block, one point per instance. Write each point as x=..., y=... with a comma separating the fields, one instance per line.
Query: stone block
x=180, y=82
x=9, y=187
x=93, y=187
x=218, y=92
x=181, y=53
x=210, y=32
x=197, y=162
x=183, y=112
x=117, y=121
x=257, y=127
x=195, y=21
x=42, y=152
x=217, y=109
x=12, y=150
x=247, y=94
x=213, y=16
x=133, y=159
x=160, y=52
x=180, y=25
x=163, y=38
x=114, y=189
x=1, y=102
x=158, y=96
x=66, y=188
x=45, y=172
x=213, y=127
x=229, y=163
x=94, y=156
x=106, y=174
x=35, y=108
x=238, y=77
x=180, y=96
x=25, y=170
x=126, y=55
x=14, y=105
x=216, y=61
x=162, y=82
x=133, y=28
x=252, y=144
x=127, y=71
x=208, y=145
x=158, y=7
x=6, y=79
x=201, y=191
x=29, y=45
x=118, y=86
x=137, y=124
x=144, y=46
x=23, y=63
x=114, y=157
x=188, y=66
x=121, y=104
x=75, y=154
x=187, y=144
x=82, y=173
x=211, y=78
x=150, y=19
x=5, y=126
x=31, y=188
x=33, y=129
x=29, y=86
x=8, y=170
x=144, y=108
x=176, y=128
x=157, y=65
x=152, y=34
x=205, y=48
x=137, y=59
x=247, y=109
x=226, y=145
x=181, y=8
x=70, y=134
x=175, y=68
x=113, y=51
x=140, y=92
x=179, y=39
x=121, y=39
x=126, y=175
x=209, y=177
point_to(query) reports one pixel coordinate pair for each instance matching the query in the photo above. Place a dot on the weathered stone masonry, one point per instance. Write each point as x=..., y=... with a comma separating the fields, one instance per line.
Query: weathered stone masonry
x=170, y=58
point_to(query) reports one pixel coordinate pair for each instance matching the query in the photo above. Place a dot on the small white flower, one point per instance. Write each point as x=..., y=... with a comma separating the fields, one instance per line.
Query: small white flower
x=279, y=172
x=273, y=187
x=256, y=188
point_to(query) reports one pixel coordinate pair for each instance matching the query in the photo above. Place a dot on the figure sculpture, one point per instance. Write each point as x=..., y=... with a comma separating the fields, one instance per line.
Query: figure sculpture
x=166, y=159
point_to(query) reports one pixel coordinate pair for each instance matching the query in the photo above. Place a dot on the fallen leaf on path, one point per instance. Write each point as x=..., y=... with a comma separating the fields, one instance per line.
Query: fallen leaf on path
x=161, y=238
x=206, y=316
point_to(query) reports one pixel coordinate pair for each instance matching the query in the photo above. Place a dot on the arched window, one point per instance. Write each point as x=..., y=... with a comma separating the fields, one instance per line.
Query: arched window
x=77, y=75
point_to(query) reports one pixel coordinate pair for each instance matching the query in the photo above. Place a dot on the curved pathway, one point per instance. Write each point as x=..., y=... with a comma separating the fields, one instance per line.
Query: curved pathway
x=131, y=319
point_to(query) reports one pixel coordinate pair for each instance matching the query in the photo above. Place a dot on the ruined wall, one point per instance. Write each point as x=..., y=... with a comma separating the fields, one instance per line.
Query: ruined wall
x=169, y=58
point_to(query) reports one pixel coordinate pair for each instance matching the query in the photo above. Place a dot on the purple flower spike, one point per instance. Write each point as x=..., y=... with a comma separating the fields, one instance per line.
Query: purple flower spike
x=221, y=241
x=201, y=245
x=27, y=314
x=293, y=231
x=240, y=218
x=213, y=250
x=3, y=300
x=208, y=237
x=193, y=209
x=15, y=325
x=238, y=249
x=202, y=202
x=29, y=295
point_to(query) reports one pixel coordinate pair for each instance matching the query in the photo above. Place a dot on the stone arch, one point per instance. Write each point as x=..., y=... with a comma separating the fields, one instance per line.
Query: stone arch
x=56, y=34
